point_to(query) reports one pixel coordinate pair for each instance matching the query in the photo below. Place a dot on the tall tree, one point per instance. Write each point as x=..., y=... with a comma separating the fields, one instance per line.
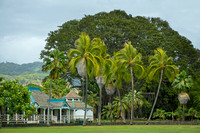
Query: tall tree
x=131, y=60
x=116, y=74
x=104, y=63
x=160, y=64
x=83, y=56
x=56, y=64
x=115, y=27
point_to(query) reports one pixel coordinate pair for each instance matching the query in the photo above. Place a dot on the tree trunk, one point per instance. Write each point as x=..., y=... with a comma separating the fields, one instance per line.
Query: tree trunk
x=132, y=105
x=183, y=119
x=161, y=75
x=123, y=118
x=84, y=122
x=100, y=97
x=1, y=116
x=83, y=95
x=49, y=104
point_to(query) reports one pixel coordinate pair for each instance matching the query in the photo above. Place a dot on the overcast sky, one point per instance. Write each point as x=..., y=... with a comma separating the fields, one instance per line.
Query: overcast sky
x=24, y=24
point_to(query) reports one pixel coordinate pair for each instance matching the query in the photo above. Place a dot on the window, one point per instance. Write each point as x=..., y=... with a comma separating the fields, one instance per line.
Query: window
x=69, y=99
x=75, y=99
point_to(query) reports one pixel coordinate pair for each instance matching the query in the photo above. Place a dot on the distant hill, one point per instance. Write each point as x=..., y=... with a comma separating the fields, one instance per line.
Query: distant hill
x=25, y=73
x=12, y=69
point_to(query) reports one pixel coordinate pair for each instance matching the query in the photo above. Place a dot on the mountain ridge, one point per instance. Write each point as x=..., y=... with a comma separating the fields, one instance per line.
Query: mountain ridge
x=14, y=69
x=27, y=73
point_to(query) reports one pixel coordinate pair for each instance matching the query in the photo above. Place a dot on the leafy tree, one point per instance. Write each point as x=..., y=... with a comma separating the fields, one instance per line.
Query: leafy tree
x=161, y=114
x=15, y=98
x=193, y=113
x=131, y=60
x=56, y=64
x=83, y=58
x=93, y=101
x=119, y=106
x=182, y=82
x=59, y=87
x=117, y=27
x=171, y=114
x=108, y=112
x=194, y=95
x=161, y=64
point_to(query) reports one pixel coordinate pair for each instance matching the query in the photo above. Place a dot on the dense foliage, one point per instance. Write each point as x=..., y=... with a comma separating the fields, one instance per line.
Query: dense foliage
x=146, y=34
x=117, y=27
x=60, y=87
x=15, y=98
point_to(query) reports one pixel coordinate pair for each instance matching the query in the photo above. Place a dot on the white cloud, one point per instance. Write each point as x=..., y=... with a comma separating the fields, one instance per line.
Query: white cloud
x=21, y=48
x=25, y=23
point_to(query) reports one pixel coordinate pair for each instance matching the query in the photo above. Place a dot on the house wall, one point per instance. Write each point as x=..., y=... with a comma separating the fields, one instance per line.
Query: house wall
x=79, y=114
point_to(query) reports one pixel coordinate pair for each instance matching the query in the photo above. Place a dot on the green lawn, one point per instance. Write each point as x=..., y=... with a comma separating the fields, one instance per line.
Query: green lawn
x=107, y=129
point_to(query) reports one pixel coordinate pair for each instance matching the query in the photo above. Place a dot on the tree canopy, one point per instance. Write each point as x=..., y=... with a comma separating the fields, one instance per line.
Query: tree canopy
x=117, y=27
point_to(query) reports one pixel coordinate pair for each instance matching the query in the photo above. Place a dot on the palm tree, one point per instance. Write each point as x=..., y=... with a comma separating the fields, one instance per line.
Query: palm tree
x=56, y=64
x=138, y=100
x=117, y=106
x=182, y=82
x=161, y=114
x=131, y=59
x=118, y=74
x=109, y=112
x=83, y=58
x=104, y=62
x=160, y=63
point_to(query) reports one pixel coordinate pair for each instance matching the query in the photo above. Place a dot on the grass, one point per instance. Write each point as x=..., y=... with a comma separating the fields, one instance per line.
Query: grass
x=107, y=129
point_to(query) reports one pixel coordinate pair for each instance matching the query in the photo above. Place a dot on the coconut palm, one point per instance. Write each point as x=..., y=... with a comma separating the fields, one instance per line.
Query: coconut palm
x=104, y=62
x=131, y=60
x=83, y=58
x=160, y=64
x=119, y=74
x=183, y=82
x=56, y=65
x=138, y=100
x=117, y=106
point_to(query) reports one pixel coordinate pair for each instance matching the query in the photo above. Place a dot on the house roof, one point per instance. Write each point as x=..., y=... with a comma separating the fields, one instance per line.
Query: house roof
x=78, y=105
x=72, y=94
x=39, y=97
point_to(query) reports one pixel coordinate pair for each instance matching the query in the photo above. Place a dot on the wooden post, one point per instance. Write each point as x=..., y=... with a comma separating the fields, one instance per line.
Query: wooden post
x=51, y=115
x=16, y=117
x=60, y=115
x=69, y=116
x=8, y=117
x=24, y=117
x=44, y=115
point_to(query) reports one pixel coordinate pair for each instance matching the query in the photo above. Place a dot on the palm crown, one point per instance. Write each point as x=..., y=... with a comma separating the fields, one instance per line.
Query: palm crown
x=56, y=64
x=84, y=53
x=160, y=61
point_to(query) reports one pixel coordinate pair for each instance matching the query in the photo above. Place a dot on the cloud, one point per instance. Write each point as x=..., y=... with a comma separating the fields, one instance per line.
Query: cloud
x=21, y=48
x=26, y=23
